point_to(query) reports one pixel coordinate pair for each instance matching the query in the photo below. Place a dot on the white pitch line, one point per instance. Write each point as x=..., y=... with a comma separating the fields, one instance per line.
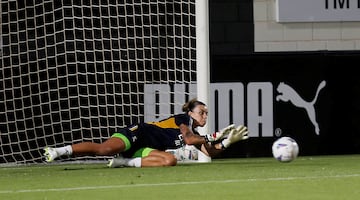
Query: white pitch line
x=175, y=183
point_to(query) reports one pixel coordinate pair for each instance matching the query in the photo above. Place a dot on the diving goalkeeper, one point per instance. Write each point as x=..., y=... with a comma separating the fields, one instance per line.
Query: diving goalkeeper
x=144, y=144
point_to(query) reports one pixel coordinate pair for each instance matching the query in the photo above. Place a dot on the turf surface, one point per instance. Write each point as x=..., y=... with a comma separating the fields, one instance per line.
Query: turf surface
x=317, y=177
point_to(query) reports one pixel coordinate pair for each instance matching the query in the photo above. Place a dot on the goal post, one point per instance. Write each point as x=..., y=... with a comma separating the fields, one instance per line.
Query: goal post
x=203, y=61
x=74, y=71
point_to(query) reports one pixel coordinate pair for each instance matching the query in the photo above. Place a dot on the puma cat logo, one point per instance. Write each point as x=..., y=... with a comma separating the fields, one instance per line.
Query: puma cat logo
x=287, y=93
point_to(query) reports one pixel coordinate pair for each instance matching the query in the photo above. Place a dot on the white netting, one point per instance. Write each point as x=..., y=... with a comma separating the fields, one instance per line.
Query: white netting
x=76, y=71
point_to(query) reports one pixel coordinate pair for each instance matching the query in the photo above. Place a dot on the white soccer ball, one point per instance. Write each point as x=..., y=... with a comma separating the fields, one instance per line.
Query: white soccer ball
x=188, y=152
x=185, y=153
x=285, y=149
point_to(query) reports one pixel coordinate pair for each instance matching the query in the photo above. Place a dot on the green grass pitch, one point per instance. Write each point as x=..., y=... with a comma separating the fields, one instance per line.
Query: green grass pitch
x=308, y=177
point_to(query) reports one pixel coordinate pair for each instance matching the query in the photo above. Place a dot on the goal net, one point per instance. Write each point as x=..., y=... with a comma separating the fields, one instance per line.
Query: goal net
x=75, y=71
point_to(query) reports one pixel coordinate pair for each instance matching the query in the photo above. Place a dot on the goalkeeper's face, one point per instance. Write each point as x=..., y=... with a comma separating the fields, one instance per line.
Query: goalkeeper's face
x=199, y=115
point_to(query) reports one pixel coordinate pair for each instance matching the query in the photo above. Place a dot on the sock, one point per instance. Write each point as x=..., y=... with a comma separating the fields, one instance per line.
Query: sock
x=66, y=150
x=133, y=162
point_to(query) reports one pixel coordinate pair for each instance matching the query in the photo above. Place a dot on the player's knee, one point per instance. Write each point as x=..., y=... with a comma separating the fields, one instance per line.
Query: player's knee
x=170, y=160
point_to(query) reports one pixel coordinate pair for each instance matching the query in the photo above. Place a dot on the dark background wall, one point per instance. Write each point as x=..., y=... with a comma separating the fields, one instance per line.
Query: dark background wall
x=338, y=109
x=231, y=27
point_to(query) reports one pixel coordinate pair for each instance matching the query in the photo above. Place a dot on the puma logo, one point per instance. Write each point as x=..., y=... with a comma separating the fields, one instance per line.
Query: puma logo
x=287, y=93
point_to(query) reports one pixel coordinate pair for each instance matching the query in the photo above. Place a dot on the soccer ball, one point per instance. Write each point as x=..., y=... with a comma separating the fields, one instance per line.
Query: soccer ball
x=185, y=153
x=190, y=152
x=285, y=149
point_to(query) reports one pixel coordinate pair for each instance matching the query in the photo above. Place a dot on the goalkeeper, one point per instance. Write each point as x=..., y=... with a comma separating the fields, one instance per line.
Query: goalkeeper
x=144, y=144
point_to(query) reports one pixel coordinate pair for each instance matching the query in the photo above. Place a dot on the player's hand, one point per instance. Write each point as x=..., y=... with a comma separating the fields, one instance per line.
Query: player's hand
x=219, y=134
x=235, y=135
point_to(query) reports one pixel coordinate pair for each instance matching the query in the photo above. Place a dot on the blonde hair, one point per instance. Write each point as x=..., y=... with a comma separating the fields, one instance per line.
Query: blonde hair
x=190, y=105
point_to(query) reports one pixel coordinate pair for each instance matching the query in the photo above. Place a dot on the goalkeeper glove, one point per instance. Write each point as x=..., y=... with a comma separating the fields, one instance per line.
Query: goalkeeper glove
x=235, y=135
x=219, y=134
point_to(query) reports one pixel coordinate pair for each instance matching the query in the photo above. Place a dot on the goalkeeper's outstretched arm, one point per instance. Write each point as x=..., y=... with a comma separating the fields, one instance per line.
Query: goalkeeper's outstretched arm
x=234, y=135
x=191, y=138
x=211, y=150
